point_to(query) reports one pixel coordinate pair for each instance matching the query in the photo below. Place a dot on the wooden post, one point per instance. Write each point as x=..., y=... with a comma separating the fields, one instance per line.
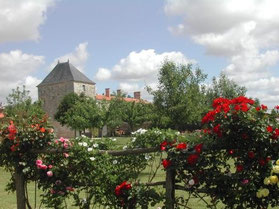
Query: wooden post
x=170, y=188
x=20, y=192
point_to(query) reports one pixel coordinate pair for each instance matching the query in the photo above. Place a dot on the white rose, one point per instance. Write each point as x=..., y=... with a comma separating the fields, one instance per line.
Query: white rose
x=191, y=182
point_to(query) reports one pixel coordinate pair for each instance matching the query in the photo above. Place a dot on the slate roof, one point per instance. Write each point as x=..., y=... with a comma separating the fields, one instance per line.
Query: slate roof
x=63, y=72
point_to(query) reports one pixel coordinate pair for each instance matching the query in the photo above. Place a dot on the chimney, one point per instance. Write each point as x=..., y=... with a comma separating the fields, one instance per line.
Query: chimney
x=107, y=92
x=137, y=95
x=118, y=92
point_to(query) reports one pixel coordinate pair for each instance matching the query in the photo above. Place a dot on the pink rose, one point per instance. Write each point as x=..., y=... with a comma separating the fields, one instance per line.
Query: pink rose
x=49, y=174
x=43, y=167
x=58, y=182
x=61, y=139
x=50, y=166
x=61, y=193
x=52, y=191
x=70, y=189
x=39, y=162
x=66, y=155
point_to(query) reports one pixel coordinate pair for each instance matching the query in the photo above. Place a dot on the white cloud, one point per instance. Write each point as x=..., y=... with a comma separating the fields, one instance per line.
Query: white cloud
x=20, y=19
x=139, y=69
x=15, y=68
x=246, y=32
x=141, y=66
x=78, y=58
x=31, y=84
x=129, y=87
x=103, y=74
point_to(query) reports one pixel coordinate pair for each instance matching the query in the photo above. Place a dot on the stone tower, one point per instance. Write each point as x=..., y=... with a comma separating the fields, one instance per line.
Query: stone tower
x=62, y=80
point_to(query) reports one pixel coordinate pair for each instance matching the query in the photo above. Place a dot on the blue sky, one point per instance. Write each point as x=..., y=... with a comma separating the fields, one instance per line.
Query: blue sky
x=121, y=44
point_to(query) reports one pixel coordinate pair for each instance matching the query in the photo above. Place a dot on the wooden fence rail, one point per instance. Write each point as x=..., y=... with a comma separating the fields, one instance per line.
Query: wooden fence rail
x=169, y=184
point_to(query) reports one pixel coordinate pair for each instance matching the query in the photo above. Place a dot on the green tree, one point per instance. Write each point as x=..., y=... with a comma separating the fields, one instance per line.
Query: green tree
x=20, y=106
x=67, y=103
x=84, y=114
x=224, y=87
x=79, y=112
x=112, y=112
x=136, y=113
x=180, y=99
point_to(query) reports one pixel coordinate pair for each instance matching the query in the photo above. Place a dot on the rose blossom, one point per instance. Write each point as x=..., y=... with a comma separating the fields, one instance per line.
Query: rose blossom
x=70, y=189
x=166, y=163
x=49, y=173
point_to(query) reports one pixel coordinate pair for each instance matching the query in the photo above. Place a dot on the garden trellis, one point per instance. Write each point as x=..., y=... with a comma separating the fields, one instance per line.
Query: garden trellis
x=169, y=183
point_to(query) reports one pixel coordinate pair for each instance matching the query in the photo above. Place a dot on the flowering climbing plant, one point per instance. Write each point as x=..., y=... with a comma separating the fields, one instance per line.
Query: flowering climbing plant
x=233, y=163
x=19, y=135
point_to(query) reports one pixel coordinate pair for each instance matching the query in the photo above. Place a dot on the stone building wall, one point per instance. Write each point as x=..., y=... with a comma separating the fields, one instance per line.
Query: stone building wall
x=88, y=89
x=52, y=95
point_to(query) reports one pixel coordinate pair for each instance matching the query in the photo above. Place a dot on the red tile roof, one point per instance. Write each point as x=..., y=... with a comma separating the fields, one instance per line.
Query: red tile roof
x=104, y=97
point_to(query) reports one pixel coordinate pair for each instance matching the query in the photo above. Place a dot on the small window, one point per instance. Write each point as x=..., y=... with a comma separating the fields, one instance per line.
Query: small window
x=83, y=87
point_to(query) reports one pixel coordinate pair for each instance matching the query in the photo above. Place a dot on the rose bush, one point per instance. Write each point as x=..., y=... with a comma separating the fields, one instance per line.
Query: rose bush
x=19, y=135
x=91, y=177
x=239, y=142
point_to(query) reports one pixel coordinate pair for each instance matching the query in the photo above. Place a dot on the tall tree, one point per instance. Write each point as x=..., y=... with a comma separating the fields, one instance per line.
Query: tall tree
x=20, y=105
x=136, y=113
x=180, y=98
x=67, y=103
x=79, y=112
x=224, y=87
x=113, y=112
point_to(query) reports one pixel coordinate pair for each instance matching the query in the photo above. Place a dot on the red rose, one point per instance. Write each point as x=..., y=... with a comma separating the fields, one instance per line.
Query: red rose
x=166, y=163
x=263, y=107
x=244, y=107
x=123, y=186
x=13, y=148
x=181, y=146
x=231, y=151
x=163, y=145
x=251, y=154
x=268, y=159
x=237, y=107
x=269, y=129
x=277, y=107
x=128, y=186
x=262, y=162
x=239, y=168
x=117, y=190
x=198, y=148
x=42, y=130
x=258, y=108
x=196, y=180
x=192, y=159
